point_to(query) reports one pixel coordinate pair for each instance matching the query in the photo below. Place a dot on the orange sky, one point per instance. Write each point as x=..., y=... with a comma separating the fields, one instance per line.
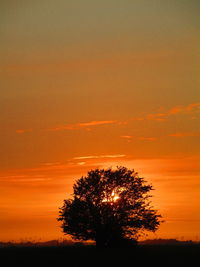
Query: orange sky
x=98, y=84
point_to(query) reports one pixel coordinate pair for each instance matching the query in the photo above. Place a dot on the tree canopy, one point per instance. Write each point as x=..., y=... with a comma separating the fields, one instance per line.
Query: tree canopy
x=109, y=206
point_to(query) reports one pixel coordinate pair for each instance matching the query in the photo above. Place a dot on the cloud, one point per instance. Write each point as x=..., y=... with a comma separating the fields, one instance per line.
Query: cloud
x=101, y=156
x=152, y=117
x=76, y=126
x=156, y=117
x=21, y=131
x=126, y=136
x=81, y=163
x=51, y=163
x=94, y=123
x=147, y=138
x=190, y=109
x=185, y=134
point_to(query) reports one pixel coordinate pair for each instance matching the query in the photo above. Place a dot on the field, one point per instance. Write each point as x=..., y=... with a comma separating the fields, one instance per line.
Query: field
x=142, y=255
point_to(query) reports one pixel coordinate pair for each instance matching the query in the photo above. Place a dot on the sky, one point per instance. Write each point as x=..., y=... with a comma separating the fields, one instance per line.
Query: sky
x=97, y=84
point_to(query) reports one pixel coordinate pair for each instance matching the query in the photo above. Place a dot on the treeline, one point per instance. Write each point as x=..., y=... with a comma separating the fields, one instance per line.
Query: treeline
x=57, y=243
x=161, y=241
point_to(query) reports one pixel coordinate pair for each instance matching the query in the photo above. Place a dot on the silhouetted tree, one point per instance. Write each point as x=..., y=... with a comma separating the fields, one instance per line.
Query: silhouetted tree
x=109, y=206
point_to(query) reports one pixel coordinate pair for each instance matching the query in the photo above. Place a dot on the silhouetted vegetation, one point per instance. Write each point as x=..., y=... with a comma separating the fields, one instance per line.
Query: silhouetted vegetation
x=185, y=255
x=170, y=241
x=110, y=207
x=71, y=243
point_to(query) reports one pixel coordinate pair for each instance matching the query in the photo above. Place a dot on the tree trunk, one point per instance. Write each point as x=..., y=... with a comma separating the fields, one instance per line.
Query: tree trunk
x=100, y=241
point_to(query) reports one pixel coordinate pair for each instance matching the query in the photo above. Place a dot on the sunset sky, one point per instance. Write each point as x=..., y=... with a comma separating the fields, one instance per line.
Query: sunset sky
x=88, y=84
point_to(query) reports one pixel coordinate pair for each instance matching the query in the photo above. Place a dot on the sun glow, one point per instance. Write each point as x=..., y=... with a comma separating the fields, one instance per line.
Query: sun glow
x=113, y=197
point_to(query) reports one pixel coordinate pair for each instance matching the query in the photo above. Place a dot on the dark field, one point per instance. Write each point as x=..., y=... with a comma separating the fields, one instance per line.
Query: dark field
x=142, y=255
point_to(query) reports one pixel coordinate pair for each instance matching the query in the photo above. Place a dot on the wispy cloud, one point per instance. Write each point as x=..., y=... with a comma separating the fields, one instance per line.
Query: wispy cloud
x=21, y=131
x=81, y=163
x=185, y=134
x=76, y=126
x=192, y=109
x=126, y=136
x=156, y=116
x=145, y=138
x=94, y=123
x=101, y=156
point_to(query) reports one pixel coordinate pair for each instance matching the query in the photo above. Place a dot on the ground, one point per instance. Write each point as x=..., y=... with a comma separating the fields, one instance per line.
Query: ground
x=142, y=255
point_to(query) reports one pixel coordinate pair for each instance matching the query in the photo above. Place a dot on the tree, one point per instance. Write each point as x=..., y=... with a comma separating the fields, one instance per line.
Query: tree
x=109, y=206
